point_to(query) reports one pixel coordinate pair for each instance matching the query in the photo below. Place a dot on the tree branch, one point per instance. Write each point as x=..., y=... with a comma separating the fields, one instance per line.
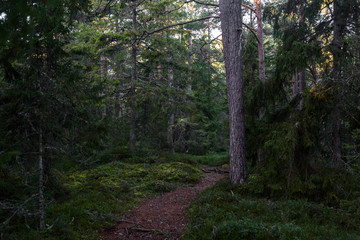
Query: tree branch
x=20, y=207
x=217, y=5
x=252, y=31
x=97, y=11
x=204, y=3
x=207, y=43
x=180, y=23
x=248, y=7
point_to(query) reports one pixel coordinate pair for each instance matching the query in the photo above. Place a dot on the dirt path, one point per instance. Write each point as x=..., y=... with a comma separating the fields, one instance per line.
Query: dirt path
x=163, y=216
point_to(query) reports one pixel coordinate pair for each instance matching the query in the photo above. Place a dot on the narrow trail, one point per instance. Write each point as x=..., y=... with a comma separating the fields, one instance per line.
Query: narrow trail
x=163, y=216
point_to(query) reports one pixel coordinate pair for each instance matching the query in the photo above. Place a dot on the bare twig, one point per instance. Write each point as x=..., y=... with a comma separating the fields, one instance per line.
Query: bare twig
x=17, y=209
x=207, y=43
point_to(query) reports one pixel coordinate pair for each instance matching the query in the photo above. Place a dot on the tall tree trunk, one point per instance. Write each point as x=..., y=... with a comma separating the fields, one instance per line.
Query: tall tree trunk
x=117, y=107
x=261, y=59
x=190, y=60
x=295, y=85
x=357, y=40
x=171, y=121
x=170, y=133
x=302, y=77
x=41, y=179
x=231, y=25
x=102, y=77
x=302, y=86
x=339, y=25
x=261, y=54
x=133, y=80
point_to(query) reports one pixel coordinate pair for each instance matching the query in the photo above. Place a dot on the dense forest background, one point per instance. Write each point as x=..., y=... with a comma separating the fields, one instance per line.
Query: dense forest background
x=88, y=87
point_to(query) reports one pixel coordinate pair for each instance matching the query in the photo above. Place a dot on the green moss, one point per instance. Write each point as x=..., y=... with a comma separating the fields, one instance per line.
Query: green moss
x=85, y=201
x=176, y=172
x=225, y=212
x=95, y=197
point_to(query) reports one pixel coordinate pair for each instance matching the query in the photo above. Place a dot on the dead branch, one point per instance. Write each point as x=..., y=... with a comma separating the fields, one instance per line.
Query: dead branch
x=207, y=43
x=252, y=31
x=145, y=230
x=18, y=208
x=248, y=7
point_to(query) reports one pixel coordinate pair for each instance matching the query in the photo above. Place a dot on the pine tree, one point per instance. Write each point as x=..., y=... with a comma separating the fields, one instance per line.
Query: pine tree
x=232, y=31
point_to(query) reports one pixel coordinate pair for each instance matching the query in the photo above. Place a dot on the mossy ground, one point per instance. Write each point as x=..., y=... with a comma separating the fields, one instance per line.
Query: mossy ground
x=92, y=199
x=225, y=212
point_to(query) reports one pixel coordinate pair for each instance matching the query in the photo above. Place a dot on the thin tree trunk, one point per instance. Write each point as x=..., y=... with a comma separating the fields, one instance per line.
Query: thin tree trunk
x=261, y=54
x=170, y=133
x=102, y=77
x=302, y=77
x=133, y=81
x=41, y=180
x=190, y=60
x=117, y=110
x=295, y=85
x=302, y=86
x=251, y=19
x=231, y=25
x=261, y=59
x=339, y=24
x=357, y=41
x=336, y=137
x=313, y=72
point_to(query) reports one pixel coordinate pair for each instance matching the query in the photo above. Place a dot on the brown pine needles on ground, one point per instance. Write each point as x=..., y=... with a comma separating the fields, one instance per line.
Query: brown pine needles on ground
x=163, y=216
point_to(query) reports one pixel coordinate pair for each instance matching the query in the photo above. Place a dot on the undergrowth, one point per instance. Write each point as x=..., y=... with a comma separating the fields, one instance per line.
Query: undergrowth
x=226, y=212
x=86, y=201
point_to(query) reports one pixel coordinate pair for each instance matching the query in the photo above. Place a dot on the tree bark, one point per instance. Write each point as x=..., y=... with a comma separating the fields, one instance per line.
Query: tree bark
x=302, y=77
x=133, y=81
x=170, y=132
x=190, y=60
x=41, y=180
x=357, y=34
x=295, y=85
x=302, y=86
x=117, y=110
x=339, y=25
x=259, y=31
x=261, y=59
x=231, y=25
x=102, y=77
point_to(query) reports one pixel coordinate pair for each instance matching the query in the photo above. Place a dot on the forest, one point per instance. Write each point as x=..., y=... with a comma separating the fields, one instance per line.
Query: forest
x=108, y=104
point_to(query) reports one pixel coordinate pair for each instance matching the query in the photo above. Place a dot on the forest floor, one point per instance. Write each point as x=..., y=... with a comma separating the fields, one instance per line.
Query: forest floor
x=162, y=216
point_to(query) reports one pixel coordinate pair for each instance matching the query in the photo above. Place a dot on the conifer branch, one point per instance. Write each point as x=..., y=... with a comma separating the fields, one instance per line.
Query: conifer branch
x=204, y=3
x=180, y=24
x=217, y=5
